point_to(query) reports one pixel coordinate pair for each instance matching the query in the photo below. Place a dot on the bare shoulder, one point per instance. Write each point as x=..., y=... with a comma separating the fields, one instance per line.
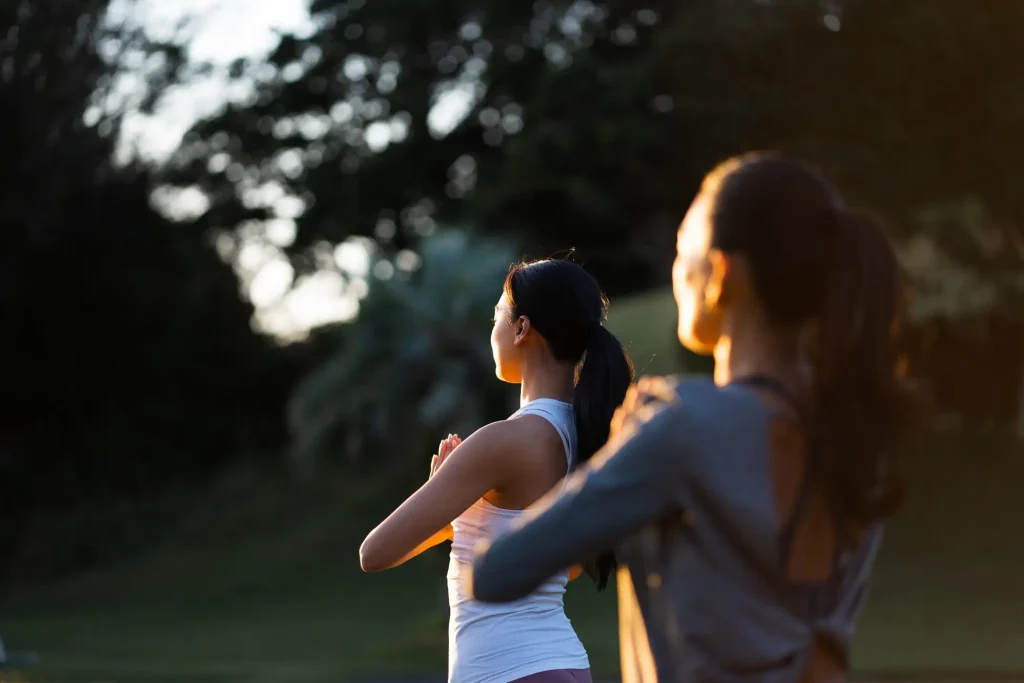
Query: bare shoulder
x=511, y=435
x=509, y=449
x=493, y=436
x=517, y=433
x=532, y=430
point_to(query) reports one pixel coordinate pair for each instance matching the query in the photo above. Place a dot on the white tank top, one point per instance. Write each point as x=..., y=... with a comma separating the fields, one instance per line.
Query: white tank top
x=498, y=643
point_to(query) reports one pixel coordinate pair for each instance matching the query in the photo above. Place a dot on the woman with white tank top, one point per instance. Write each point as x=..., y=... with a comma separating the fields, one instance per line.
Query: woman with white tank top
x=549, y=337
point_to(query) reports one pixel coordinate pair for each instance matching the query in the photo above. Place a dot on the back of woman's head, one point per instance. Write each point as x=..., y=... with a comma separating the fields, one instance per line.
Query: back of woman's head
x=813, y=260
x=567, y=308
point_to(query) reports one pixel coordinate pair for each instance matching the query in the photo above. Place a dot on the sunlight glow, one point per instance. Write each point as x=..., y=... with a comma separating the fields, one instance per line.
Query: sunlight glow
x=218, y=32
x=315, y=300
x=378, y=136
x=280, y=231
x=180, y=203
x=271, y=282
x=450, y=109
x=253, y=255
x=353, y=256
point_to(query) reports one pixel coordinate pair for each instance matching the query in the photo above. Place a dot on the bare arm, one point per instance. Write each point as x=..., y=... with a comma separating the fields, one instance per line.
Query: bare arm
x=476, y=466
x=440, y=537
x=625, y=486
x=444, y=449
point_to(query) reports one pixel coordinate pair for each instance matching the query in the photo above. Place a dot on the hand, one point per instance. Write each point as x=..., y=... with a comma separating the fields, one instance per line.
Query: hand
x=444, y=449
x=640, y=402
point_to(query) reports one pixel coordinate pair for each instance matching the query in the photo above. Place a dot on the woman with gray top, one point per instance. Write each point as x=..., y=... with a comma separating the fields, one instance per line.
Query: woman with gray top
x=748, y=510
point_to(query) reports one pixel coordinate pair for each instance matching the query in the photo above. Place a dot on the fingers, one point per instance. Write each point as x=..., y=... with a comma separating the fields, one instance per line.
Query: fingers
x=641, y=402
x=623, y=411
x=445, y=448
x=448, y=445
x=657, y=388
x=618, y=420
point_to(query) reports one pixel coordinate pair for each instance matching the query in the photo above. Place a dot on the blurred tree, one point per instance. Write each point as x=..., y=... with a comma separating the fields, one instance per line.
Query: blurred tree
x=968, y=275
x=590, y=124
x=395, y=115
x=128, y=357
x=916, y=110
x=416, y=363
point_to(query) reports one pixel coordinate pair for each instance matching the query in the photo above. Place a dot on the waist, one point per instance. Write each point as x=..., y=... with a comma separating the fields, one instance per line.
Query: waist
x=524, y=616
x=493, y=647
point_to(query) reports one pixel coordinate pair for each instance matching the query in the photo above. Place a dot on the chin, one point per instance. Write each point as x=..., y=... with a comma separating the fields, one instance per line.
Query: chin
x=694, y=344
x=505, y=378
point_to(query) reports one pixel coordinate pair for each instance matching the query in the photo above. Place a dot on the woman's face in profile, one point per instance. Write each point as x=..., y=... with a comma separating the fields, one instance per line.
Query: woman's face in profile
x=698, y=324
x=503, y=345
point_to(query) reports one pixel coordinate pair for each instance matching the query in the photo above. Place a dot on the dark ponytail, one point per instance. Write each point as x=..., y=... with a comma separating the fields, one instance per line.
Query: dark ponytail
x=602, y=380
x=818, y=265
x=861, y=400
x=566, y=306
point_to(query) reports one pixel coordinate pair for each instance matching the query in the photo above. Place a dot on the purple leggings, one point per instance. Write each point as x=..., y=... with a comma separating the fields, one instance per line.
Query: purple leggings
x=557, y=676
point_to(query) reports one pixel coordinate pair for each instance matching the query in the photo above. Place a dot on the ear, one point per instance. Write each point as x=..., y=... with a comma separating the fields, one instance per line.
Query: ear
x=521, y=327
x=717, y=289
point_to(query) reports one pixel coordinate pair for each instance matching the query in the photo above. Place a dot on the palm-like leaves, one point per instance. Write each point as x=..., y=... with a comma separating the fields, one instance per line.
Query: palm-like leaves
x=416, y=362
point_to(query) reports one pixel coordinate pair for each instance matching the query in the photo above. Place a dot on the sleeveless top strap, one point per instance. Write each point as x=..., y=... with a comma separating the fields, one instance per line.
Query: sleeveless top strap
x=561, y=418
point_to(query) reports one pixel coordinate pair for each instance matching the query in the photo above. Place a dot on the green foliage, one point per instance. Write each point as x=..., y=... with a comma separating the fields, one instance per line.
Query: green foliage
x=415, y=364
x=965, y=262
x=589, y=125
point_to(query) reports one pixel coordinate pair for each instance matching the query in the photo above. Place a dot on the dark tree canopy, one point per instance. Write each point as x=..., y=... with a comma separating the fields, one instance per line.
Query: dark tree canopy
x=589, y=125
x=128, y=355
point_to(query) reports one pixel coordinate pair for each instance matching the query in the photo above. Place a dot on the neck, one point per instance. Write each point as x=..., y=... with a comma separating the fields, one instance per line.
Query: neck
x=749, y=346
x=545, y=377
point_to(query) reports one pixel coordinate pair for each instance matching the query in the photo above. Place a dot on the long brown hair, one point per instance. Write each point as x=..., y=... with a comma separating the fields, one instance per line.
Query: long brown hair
x=813, y=260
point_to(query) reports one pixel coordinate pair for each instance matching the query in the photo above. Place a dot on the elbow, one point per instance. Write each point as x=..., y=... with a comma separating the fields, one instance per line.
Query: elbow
x=370, y=558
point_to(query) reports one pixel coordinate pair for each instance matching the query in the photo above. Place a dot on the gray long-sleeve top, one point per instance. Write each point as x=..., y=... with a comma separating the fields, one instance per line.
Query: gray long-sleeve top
x=684, y=494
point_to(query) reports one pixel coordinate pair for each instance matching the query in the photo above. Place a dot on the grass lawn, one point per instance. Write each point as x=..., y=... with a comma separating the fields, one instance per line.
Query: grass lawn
x=261, y=583
x=646, y=326
x=274, y=593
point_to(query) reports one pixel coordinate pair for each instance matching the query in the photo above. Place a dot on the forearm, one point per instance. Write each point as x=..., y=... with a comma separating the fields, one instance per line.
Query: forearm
x=440, y=537
x=476, y=466
x=368, y=551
